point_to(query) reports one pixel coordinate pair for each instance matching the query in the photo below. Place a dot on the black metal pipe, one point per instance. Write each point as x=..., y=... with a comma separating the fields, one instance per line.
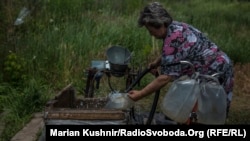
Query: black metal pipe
x=153, y=108
x=154, y=105
x=145, y=71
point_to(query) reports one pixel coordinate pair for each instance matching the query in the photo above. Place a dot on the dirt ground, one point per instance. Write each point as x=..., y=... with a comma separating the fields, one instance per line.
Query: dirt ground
x=240, y=107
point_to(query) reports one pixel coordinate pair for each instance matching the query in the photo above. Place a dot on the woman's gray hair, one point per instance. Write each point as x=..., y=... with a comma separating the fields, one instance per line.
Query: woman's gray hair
x=154, y=15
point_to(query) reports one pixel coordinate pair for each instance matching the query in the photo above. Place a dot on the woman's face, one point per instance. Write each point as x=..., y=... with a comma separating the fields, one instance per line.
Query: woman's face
x=159, y=33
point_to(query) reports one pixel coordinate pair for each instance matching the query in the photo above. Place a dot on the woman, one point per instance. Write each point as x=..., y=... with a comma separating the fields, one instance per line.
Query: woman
x=182, y=41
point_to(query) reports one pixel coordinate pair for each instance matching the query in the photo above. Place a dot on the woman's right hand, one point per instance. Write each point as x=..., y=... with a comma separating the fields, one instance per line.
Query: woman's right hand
x=154, y=72
x=154, y=65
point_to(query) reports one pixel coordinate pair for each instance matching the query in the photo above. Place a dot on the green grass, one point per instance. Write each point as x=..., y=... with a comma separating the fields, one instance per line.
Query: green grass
x=57, y=42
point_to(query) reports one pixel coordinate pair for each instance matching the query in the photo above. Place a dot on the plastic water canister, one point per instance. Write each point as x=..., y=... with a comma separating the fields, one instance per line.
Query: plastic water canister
x=212, y=104
x=180, y=99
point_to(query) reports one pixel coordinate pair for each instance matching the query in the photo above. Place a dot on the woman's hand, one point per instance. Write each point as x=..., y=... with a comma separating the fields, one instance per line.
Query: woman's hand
x=154, y=72
x=154, y=65
x=153, y=86
x=135, y=95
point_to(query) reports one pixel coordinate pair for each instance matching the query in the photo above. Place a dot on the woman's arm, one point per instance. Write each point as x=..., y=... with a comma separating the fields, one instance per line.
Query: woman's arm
x=155, y=85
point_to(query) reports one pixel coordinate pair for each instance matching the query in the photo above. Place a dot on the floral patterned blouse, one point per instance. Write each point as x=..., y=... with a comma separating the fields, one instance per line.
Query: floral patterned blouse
x=184, y=42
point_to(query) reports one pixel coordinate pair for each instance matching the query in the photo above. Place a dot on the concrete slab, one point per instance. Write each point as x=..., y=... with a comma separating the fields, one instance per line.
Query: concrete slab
x=30, y=131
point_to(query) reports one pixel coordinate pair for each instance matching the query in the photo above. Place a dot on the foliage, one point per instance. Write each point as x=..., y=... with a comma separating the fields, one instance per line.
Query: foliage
x=14, y=69
x=19, y=105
